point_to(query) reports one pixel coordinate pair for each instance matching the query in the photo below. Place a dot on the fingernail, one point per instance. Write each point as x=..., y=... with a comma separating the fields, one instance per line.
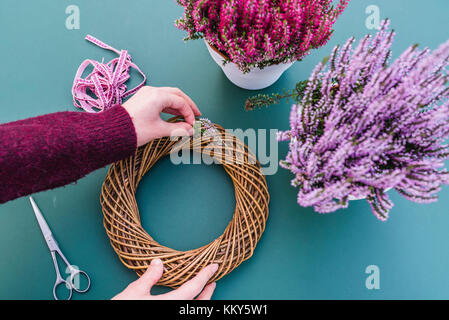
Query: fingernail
x=156, y=262
x=214, y=267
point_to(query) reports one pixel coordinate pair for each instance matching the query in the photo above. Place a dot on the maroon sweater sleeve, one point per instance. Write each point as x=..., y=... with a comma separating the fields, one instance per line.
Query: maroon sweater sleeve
x=53, y=150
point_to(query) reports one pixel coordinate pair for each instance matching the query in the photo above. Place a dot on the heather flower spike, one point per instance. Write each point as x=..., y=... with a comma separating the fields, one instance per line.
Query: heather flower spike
x=205, y=127
x=258, y=33
x=362, y=126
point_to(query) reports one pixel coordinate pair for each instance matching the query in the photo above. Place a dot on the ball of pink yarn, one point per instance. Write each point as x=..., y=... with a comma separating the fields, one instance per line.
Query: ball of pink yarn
x=105, y=86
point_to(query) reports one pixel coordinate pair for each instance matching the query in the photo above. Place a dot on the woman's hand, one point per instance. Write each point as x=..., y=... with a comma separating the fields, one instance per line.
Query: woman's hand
x=140, y=289
x=146, y=106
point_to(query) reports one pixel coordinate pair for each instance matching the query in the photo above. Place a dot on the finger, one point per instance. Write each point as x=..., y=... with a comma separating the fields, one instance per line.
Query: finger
x=180, y=93
x=176, y=129
x=171, y=111
x=207, y=292
x=192, y=288
x=151, y=276
x=176, y=103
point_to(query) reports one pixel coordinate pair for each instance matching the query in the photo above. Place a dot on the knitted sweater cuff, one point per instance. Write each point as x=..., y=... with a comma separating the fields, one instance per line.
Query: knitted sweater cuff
x=111, y=133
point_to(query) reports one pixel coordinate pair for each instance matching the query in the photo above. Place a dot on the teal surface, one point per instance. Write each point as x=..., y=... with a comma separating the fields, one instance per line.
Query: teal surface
x=302, y=255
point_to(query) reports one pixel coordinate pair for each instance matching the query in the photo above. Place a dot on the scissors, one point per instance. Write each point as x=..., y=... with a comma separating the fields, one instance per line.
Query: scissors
x=75, y=273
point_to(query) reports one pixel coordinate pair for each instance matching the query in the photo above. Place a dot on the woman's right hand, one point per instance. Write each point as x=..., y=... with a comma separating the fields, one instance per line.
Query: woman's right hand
x=145, y=109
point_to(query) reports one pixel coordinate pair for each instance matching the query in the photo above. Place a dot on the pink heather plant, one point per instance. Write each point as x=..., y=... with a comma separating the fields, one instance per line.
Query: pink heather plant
x=258, y=33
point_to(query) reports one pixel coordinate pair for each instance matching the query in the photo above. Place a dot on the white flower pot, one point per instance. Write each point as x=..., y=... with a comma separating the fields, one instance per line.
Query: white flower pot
x=256, y=79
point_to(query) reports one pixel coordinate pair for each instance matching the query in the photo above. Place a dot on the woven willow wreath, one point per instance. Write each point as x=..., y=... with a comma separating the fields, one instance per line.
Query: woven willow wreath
x=136, y=248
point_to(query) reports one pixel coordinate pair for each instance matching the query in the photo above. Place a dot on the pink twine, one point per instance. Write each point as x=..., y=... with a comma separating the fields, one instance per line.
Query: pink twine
x=106, y=81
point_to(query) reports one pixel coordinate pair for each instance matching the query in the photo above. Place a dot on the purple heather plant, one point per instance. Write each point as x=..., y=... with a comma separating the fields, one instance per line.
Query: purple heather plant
x=258, y=33
x=362, y=126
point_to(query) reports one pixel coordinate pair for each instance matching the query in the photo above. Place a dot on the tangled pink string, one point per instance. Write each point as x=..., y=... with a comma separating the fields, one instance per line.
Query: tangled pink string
x=106, y=82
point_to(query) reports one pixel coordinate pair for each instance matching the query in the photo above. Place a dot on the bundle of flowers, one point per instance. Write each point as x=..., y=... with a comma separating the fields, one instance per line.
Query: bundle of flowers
x=258, y=33
x=362, y=126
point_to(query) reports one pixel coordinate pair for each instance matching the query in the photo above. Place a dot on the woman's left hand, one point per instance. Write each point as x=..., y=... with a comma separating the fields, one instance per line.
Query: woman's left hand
x=195, y=288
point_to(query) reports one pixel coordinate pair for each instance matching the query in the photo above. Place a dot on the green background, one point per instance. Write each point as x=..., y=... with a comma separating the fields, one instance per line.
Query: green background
x=302, y=255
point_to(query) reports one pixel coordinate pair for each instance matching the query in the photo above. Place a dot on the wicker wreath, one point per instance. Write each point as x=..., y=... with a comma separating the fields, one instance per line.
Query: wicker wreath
x=136, y=248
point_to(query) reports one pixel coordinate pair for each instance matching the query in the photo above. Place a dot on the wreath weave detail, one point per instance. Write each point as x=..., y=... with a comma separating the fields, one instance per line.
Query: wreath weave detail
x=136, y=248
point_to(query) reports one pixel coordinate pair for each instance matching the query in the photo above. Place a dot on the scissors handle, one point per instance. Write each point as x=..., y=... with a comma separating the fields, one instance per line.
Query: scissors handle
x=67, y=287
x=73, y=281
x=75, y=276
x=60, y=281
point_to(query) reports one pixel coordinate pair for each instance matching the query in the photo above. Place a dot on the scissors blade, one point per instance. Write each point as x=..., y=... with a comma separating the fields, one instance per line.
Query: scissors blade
x=42, y=223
